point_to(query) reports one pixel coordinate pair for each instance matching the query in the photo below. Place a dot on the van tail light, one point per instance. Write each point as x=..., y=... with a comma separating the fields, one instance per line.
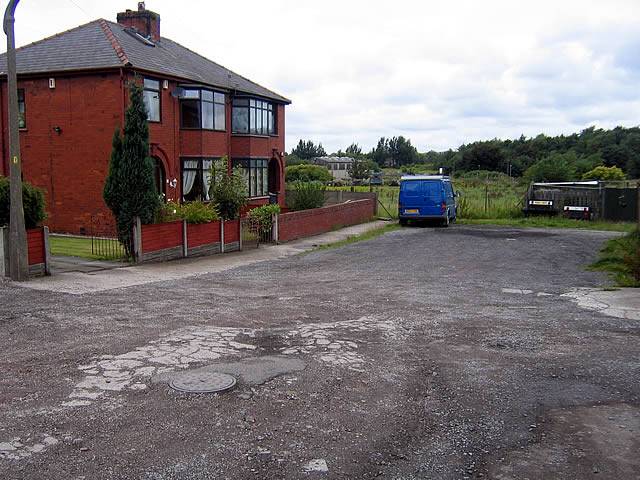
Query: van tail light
x=443, y=207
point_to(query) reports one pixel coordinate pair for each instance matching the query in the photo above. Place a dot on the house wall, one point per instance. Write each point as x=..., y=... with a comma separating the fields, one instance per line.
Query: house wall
x=71, y=166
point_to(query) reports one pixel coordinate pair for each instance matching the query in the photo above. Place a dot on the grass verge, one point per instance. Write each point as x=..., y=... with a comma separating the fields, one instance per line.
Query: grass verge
x=368, y=235
x=620, y=257
x=551, y=222
x=77, y=247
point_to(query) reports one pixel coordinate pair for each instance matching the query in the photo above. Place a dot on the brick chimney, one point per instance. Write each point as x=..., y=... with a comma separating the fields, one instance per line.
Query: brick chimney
x=146, y=22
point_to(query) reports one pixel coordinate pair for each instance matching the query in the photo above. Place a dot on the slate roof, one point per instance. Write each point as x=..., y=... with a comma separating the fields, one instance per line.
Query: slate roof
x=102, y=44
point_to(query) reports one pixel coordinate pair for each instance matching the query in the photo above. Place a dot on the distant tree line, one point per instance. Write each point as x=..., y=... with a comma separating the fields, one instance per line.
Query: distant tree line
x=563, y=157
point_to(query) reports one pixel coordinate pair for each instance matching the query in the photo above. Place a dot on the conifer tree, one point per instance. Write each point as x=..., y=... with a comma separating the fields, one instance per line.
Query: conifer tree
x=129, y=189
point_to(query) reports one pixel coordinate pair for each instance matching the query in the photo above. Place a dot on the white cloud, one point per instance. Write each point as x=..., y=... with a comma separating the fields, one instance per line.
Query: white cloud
x=441, y=73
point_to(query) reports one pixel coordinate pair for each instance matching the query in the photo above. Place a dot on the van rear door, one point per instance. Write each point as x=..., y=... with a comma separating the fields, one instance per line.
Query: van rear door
x=411, y=196
x=433, y=196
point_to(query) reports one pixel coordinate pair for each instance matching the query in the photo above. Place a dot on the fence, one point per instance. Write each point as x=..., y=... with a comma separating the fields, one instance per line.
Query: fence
x=167, y=241
x=306, y=223
x=37, y=251
x=606, y=201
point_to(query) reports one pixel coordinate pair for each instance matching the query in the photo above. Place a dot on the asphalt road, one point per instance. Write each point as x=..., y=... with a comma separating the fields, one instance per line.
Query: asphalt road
x=422, y=354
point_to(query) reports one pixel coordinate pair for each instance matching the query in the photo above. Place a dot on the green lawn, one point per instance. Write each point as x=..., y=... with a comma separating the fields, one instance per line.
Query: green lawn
x=81, y=247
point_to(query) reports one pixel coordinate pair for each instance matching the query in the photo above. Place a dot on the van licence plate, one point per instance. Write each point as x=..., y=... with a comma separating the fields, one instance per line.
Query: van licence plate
x=409, y=211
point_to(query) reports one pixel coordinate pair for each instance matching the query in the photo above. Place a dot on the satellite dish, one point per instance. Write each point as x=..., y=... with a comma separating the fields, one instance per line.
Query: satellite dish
x=177, y=92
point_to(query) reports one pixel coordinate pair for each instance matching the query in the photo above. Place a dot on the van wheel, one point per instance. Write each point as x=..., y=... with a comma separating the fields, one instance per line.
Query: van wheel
x=403, y=222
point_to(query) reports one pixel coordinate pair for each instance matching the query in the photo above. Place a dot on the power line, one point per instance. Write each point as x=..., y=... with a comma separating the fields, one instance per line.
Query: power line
x=81, y=9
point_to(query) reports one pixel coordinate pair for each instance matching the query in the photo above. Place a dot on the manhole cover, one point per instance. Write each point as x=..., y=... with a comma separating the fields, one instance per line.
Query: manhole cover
x=202, y=382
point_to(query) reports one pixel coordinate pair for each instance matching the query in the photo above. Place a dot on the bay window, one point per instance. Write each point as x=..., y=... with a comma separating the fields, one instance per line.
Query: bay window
x=253, y=117
x=256, y=175
x=202, y=109
x=196, y=178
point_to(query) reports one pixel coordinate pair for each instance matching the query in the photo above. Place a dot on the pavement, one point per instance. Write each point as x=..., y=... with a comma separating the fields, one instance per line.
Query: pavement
x=78, y=276
x=64, y=264
x=425, y=353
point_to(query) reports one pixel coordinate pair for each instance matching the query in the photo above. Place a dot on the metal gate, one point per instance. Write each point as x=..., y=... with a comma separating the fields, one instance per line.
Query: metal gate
x=253, y=232
x=105, y=244
x=621, y=204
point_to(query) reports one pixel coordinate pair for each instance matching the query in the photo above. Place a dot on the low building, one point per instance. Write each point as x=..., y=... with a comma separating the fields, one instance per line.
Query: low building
x=338, y=166
x=74, y=91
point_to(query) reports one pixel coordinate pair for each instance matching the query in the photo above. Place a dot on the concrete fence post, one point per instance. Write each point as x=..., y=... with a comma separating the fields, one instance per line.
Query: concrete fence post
x=185, y=239
x=4, y=252
x=222, y=236
x=137, y=240
x=275, y=224
x=47, y=251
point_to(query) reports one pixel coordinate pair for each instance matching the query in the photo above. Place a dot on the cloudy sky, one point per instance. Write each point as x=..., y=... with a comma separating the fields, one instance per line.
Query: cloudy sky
x=439, y=72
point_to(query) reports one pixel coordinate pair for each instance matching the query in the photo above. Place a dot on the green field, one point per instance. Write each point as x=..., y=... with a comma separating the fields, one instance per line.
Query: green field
x=493, y=200
x=500, y=198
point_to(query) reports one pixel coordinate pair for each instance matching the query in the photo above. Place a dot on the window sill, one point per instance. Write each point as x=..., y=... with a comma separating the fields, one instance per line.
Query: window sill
x=202, y=130
x=259, y=198
x=25, y=129
x=250, y=135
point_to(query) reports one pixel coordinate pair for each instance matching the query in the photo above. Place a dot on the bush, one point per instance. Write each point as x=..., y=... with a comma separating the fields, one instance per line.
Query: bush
x=621, y=258
x=307, y=173
x=604, y=173
x=554, y=168
x=305, y=195
x=263, y=215
x=192, y=212
x=32, y=201
x=228, y=190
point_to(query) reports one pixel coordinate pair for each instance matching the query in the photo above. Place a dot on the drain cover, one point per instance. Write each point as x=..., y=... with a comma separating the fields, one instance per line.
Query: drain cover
x=202, y=382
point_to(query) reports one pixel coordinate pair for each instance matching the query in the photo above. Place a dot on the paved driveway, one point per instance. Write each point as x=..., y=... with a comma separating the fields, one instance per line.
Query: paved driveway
x=425, y=353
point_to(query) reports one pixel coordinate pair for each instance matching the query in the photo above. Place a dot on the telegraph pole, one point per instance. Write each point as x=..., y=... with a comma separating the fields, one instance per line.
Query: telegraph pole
x=18, y=263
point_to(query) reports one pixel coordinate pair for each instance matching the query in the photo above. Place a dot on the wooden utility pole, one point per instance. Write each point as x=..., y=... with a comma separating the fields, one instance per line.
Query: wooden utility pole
x=18, y=262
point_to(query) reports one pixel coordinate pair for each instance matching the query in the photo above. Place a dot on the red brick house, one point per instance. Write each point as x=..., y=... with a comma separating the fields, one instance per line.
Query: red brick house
x=73, y=94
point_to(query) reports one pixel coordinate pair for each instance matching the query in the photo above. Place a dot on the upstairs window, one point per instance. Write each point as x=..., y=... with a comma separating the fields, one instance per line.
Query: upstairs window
x=22, y=117
x=253, y=117
x=151, y=97
x=202, y=109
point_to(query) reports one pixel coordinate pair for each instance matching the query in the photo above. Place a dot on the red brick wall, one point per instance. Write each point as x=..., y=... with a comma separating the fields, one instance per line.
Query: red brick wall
x=71, y=165
x=35, y=246
x=306, y=223
x=203, y=234
x=160, y=236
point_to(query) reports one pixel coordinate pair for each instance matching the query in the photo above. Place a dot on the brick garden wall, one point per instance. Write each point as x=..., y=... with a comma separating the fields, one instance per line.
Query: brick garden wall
x=306, y=223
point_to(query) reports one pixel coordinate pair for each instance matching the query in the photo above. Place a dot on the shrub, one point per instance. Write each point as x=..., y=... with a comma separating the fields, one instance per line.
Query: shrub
x=227, y=190
x=192, y=212
x=263, y=215
x=306, y=195
x=198, y=212
x=621, y=258
x=32, y=201
x=604, y=173
x=307, y=173
x=554, y=168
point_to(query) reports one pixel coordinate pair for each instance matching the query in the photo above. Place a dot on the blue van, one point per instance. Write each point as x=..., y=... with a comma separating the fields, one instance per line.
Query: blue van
x=426, y=197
